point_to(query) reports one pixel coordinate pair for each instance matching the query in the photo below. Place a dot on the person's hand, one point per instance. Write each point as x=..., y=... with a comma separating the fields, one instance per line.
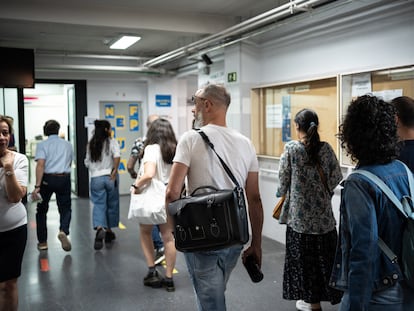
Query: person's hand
x=35, y=195
x=256, y=253
x=7, y=160
x=133, y=174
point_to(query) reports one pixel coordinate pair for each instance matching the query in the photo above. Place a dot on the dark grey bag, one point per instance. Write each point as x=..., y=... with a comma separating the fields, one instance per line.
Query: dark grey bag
x=210, y=219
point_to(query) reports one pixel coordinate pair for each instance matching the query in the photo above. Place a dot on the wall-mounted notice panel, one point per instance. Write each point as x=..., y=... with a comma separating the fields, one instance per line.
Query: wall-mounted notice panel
x=386, y=83
x=274, y=109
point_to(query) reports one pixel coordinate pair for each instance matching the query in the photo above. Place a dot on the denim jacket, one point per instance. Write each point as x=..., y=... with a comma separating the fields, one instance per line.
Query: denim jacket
x=361, y=268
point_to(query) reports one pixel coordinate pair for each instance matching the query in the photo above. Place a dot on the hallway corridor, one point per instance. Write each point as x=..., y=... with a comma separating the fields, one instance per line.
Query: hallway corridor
x=111, y=279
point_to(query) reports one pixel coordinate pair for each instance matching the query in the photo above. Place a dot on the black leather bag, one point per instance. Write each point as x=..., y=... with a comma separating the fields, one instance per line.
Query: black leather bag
x=210, y=219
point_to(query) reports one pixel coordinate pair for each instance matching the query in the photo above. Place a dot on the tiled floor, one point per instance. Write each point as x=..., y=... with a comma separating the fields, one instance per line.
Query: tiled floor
x=111, y=279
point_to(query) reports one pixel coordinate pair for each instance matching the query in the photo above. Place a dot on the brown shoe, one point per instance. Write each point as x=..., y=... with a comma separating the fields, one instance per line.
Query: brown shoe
x=64, y=240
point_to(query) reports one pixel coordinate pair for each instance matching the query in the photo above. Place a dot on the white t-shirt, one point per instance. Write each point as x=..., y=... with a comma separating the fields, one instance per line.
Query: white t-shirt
x=205, y=168
x=13, y=215
x=152, y=153
x=103, y=167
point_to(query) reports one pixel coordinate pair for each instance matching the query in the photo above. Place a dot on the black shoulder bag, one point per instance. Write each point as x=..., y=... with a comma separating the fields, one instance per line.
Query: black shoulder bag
x=213, y=219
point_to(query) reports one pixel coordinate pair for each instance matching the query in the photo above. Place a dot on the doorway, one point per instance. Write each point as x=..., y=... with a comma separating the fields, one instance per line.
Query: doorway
x=65, y=102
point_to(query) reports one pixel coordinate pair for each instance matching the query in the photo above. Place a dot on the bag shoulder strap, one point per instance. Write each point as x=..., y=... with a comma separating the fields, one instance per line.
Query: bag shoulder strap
x=226, y=168
x=375, y=179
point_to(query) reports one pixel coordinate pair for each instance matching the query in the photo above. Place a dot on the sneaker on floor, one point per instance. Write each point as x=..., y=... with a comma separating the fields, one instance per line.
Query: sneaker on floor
x=304, y=306
x=168, y=284
x=159, y=256
x=64, y=240
x=100, y=235
x=153, y=279
x=42, y=246
x=109, y=237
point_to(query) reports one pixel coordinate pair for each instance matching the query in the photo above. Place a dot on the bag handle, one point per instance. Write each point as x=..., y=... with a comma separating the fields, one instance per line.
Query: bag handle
x=204, y=187
x=226, y=168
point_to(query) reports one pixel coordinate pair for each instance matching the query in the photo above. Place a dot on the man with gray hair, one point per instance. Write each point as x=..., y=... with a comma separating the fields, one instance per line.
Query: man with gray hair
x=195, y=161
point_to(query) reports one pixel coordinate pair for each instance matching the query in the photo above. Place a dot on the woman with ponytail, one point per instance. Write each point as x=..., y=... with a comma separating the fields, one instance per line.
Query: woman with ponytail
x=102, y=160
x=308, y=172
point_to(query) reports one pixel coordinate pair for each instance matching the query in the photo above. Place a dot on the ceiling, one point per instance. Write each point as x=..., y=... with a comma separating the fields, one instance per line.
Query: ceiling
x=76, y=34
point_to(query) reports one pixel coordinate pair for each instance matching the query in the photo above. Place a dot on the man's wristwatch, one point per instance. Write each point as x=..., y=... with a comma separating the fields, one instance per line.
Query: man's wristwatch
x=9, y=173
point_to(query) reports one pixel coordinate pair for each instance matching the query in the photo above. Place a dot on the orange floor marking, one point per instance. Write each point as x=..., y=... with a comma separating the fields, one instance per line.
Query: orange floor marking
x=44, y=265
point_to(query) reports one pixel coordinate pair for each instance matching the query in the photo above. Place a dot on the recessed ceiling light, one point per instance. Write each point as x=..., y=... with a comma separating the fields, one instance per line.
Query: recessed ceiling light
x=124, y=42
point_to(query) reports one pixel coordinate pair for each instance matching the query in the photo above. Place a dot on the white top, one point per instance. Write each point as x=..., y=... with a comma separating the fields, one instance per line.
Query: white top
x=105, y=166
x=152, y=153
x=13, y=215
x=205, y=168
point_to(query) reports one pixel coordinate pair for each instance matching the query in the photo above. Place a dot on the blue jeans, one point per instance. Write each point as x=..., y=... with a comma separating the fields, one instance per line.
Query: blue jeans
x=209, y=272
x=156, y=238
x=396, y=298
x=105, y=199
x=60, y=185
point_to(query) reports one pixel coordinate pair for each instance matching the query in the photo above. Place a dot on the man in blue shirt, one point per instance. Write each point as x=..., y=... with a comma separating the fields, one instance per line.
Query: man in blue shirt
x=53, y=165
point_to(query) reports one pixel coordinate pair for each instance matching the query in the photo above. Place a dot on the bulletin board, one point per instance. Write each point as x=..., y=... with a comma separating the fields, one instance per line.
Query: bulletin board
x=385, y=83
x=274, y=109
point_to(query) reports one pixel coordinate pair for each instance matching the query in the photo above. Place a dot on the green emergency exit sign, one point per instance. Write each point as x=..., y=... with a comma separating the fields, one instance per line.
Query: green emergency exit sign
x=232, y=77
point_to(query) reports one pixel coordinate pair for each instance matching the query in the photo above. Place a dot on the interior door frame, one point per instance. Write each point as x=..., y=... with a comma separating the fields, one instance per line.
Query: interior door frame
x=81, y=130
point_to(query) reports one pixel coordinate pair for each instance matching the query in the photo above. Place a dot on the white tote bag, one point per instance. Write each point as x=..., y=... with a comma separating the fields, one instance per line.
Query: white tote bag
x=148, y=207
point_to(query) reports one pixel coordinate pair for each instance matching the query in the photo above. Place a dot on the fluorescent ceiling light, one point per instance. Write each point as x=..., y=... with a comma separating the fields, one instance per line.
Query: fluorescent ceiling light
x=124, y=42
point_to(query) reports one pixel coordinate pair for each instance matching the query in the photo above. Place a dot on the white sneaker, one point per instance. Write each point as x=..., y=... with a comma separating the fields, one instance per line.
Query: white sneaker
x=64, y=240
x=304, y=306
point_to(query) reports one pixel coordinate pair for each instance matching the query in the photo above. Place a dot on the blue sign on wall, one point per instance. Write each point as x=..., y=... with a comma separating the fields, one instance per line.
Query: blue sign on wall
x=163, y=100
x=286, y=111
x=133, y=118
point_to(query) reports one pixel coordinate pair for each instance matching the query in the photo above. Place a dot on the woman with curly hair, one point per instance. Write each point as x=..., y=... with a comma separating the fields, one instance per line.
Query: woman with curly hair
x=159, y=151
x=308, y=172
x=102, y=159
x=370, y=280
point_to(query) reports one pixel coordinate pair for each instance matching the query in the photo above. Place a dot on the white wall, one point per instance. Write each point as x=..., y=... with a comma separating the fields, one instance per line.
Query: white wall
x=386, y=43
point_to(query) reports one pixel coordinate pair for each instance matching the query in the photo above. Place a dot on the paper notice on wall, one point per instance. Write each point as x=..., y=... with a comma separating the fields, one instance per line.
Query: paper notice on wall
x=361, y=84
x=90, y=121
x=388, y=95
x=274, y=116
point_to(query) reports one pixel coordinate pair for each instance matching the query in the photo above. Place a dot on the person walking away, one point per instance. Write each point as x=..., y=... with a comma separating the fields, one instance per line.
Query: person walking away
x=308, y=172
x=369, y=279
x=53, y=165
x=210, y=271
x=159, y=150
x=137, y=152
x=13, y=217
x=405, y=128
x=102, y=159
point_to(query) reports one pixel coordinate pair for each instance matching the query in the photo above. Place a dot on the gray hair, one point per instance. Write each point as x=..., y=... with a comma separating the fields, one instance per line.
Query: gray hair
x=217, y=93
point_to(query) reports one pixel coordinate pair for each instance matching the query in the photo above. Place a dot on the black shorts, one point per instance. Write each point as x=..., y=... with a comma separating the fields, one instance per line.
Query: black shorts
x=12, y=246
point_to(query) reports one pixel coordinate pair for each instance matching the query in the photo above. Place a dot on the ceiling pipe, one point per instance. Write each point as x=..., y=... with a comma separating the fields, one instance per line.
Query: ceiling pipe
x=250, y=24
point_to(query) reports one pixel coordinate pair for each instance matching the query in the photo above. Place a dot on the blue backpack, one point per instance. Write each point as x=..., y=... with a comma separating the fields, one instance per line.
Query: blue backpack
x=406, y=207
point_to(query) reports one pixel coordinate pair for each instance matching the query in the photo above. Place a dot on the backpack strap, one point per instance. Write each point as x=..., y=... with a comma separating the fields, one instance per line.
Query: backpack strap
x=375, y=179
